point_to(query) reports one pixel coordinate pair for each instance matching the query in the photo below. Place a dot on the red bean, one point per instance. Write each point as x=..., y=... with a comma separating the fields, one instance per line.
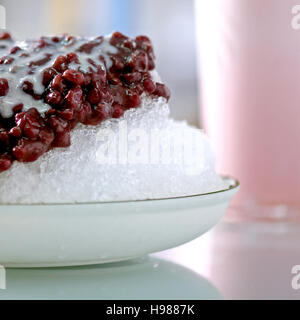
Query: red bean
x=57, y=83
x=5, y=36
x=162, y=91
x=118, y=111
x=53, y=98
x=48, y=75
x=74, y=77
x=5, y=162
x=149, y=85
x=3, y=87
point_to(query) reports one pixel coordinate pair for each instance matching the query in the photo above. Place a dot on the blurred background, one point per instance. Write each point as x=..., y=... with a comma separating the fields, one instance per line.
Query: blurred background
x=170, y=25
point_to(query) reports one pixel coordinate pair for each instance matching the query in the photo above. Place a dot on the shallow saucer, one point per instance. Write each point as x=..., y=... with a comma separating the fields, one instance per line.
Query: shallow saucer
x=90, y=233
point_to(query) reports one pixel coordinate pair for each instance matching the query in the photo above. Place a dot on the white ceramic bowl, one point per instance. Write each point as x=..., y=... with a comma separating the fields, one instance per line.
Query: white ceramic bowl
x=79, y=234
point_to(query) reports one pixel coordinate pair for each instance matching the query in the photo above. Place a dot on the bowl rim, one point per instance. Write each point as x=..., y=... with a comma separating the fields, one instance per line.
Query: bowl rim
x=234, y=184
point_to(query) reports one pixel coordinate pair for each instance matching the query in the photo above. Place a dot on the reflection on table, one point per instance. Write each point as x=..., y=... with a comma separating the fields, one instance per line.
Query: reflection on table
x=144, y=278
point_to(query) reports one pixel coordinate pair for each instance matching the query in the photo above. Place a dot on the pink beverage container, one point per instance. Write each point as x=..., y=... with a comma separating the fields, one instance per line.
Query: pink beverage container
x=249, y=67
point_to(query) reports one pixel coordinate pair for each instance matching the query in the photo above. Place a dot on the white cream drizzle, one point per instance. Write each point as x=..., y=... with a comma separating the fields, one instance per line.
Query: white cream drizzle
x=17, y=72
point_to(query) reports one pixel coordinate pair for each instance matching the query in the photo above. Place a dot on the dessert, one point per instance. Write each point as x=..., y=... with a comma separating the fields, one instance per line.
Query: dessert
x=59, y=96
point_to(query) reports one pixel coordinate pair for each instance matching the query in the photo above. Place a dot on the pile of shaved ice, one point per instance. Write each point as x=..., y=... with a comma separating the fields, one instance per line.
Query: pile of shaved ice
x=142, y=155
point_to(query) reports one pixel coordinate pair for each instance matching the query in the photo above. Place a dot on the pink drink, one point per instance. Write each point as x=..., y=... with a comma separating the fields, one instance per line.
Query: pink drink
x=250, y=90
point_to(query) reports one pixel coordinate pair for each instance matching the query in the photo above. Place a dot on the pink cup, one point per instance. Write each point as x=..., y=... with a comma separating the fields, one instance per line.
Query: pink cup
x=249, y=68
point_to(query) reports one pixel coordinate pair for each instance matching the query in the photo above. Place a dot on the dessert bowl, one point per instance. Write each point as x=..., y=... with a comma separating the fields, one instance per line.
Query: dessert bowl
x=90, y=233
x=85, y=140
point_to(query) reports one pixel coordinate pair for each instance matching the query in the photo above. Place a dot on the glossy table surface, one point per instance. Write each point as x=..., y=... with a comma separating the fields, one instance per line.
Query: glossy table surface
x=235, y=260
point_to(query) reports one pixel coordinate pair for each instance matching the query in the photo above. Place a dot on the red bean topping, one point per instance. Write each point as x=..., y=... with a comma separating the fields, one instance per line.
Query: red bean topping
x=28, y=151
x=15, y=132
x=73, y=76
x=133, y=100
x=55, y=39
x=149, y=85
x=42, y=61
x=139, y=61
x=5, y=162
x=89, y=46
x=27, y=87
x=117, y=39
x=74, y=98
x=118, y=111
x=162, y=91
x=72, y=57
x=6, y=60
x=130, y=78
x=53, y=98
x=48, y=75
x=15, y=49
x=3, y=87
x=74, y=95
x=61, y=63
x=5, y=36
